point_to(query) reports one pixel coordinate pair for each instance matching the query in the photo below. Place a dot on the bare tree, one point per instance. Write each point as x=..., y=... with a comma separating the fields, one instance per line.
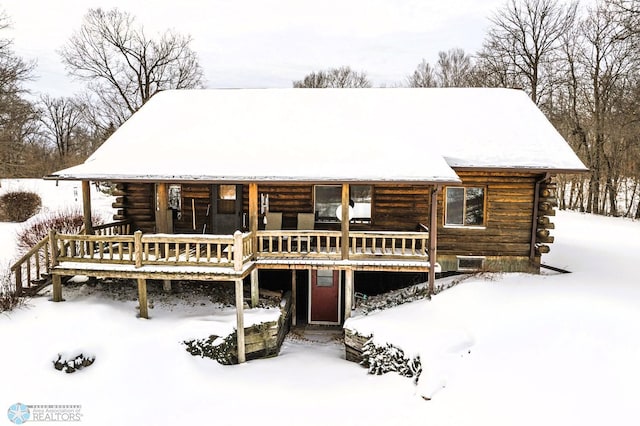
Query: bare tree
x=597, y=110
x=124, y=68
x=63, y=121
x=334, y=78
x=423, y=76
x=454, y=68
x=17, y=115
x=525, y=36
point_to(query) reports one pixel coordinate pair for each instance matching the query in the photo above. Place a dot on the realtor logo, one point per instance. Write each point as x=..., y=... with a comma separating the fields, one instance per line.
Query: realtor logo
x=18, y=413
x=21, y=413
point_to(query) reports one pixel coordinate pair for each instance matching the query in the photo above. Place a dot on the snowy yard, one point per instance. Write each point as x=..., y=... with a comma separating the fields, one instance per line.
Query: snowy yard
x=514, y=349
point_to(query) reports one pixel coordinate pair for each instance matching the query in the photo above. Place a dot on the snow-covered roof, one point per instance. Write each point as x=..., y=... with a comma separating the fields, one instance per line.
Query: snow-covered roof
x=366, y=135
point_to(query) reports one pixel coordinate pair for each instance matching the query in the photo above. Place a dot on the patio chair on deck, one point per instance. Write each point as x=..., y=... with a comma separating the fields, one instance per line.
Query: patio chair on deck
x=306, y=221
x=273, y=222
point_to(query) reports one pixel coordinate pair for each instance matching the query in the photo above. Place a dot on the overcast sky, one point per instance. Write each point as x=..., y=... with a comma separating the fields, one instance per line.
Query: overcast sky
x=266, y=43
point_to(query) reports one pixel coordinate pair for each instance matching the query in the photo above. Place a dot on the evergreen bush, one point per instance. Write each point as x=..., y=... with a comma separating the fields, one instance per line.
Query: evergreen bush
x=73, y=364
x=214, y=347
x=19, y=205
x=384, y=359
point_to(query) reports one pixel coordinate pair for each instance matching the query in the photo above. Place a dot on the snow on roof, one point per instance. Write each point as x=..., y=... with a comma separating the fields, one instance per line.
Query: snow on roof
x=328, y=135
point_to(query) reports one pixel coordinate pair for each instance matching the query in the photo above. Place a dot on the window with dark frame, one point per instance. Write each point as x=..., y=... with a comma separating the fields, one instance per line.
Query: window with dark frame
x=328, y=203
x=464, y=206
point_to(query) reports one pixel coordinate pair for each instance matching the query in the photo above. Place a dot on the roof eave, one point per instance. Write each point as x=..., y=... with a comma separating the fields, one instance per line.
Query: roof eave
x=259, y=179
x=553, y=170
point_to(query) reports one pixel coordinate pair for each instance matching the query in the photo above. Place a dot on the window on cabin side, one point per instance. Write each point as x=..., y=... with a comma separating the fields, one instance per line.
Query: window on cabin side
x=464, y=206
x=328, y=203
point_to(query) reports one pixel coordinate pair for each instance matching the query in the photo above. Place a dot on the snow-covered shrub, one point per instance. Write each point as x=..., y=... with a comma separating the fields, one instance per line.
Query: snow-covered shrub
x=73, y=364
x=9, y=299
x=19, y=205
x=394, y=298
x=66, y=221
x=388, y=358
x=222, y=350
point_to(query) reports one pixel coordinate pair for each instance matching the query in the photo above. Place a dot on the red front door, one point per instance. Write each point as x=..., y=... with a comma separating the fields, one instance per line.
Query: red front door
x=324, y=297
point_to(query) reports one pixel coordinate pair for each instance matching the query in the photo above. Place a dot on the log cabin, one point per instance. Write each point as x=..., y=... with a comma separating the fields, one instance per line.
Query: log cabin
x=328, y=184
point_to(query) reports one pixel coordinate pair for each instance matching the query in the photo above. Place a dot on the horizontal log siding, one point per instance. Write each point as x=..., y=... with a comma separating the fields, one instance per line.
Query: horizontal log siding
x=201, y=196
x=395, y=207
x=400, y=207
x=288, y=199
x=136, y=202
x=509, y=209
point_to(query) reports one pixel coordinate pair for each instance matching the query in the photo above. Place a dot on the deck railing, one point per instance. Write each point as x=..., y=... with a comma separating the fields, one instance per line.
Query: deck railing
x=112, y=244
x=293, y=244
x=32, y=266
x=389, y=244
x=327, y=244
x=155, y=249
x=122, y=227
x=188, y=249
x=93, y=248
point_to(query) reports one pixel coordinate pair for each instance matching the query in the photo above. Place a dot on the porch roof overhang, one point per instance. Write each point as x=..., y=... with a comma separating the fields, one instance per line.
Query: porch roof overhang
x=328, y=135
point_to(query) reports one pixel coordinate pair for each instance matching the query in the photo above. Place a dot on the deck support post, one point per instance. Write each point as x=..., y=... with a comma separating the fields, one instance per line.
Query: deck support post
x=294, y=293
x=255, y=289
x=344, y=224
x=433, y=237
x=86, y=207
x=162, y=221
x=142, y=298
x=238, y=254
x=57, y=288
x=240, y=320
x=348, y=292
x=253, y=216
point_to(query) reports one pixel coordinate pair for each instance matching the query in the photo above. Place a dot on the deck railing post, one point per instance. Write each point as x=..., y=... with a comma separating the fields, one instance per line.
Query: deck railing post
x=237, y=251
x=53, y=245
x=344, y=223
x=433, y=242
x=137, y=248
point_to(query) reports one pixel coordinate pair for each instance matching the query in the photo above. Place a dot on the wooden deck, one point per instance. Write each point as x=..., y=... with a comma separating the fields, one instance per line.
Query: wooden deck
x=112, y=252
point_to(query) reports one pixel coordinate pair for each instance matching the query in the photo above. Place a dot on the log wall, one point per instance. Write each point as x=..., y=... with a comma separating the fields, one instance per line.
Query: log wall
x=508, y=218
x=136, y=202
x=198, y=195
x=505, y=240
x=288, y=199
x=400, y=207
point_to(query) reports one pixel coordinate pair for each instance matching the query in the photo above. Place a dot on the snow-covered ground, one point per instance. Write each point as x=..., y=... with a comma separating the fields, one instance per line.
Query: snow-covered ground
x=513, y=349
x=54, y=195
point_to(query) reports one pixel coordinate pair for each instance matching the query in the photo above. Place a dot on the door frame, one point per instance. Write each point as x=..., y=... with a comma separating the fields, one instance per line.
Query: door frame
x=238, y=209
x=339, y=301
